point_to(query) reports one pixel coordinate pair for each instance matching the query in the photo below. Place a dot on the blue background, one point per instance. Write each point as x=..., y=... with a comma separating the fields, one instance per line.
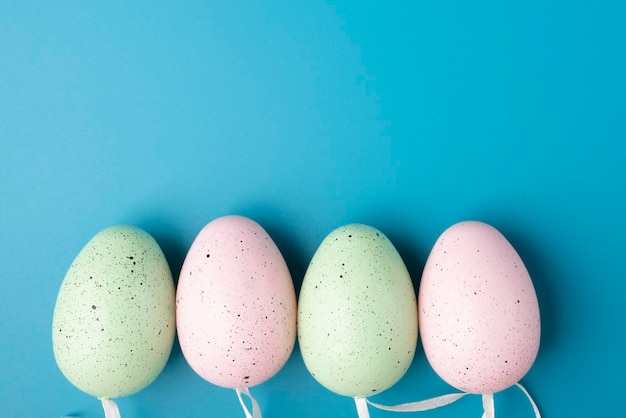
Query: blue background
x=305, y=115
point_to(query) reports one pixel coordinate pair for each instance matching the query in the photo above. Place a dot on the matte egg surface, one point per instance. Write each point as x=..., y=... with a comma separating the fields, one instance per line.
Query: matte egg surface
x=478, y=311
x=236, y=304
x=357, y=319
x=114, y=318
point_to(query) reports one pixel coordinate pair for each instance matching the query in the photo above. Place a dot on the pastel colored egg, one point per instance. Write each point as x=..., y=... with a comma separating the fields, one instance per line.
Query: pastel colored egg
x=479, y=315
x=357, y=314
x=114, y=319
x=236, y=304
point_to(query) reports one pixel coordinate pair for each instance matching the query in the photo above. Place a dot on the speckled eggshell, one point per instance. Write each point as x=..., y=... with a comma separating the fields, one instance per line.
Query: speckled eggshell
x=479, y=315
x=357, y=314
x=236, y=304
x=114, y=319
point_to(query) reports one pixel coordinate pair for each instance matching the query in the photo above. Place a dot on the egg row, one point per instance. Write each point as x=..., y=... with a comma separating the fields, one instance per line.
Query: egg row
x=235, y=310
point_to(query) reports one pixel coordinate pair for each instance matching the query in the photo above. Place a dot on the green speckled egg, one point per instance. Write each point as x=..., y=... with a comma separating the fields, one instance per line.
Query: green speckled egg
x=114, y=319
x=357, y=313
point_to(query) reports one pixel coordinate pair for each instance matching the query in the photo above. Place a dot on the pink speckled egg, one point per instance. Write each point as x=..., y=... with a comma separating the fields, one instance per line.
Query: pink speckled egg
x=478, y=310
x=235, y=304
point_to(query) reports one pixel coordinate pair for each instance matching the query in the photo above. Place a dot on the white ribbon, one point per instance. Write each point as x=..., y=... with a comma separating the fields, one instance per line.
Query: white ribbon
x=437, y=402
x=361, y=407
x=488, y=406
x=424, y=405
x=256, y=410
x=530, y=399
x=110, y=408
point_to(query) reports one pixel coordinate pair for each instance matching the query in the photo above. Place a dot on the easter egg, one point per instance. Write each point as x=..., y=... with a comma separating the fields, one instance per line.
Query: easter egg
x=114, y=319
x=478, y=310
x=357, y=314
x=235, y=304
